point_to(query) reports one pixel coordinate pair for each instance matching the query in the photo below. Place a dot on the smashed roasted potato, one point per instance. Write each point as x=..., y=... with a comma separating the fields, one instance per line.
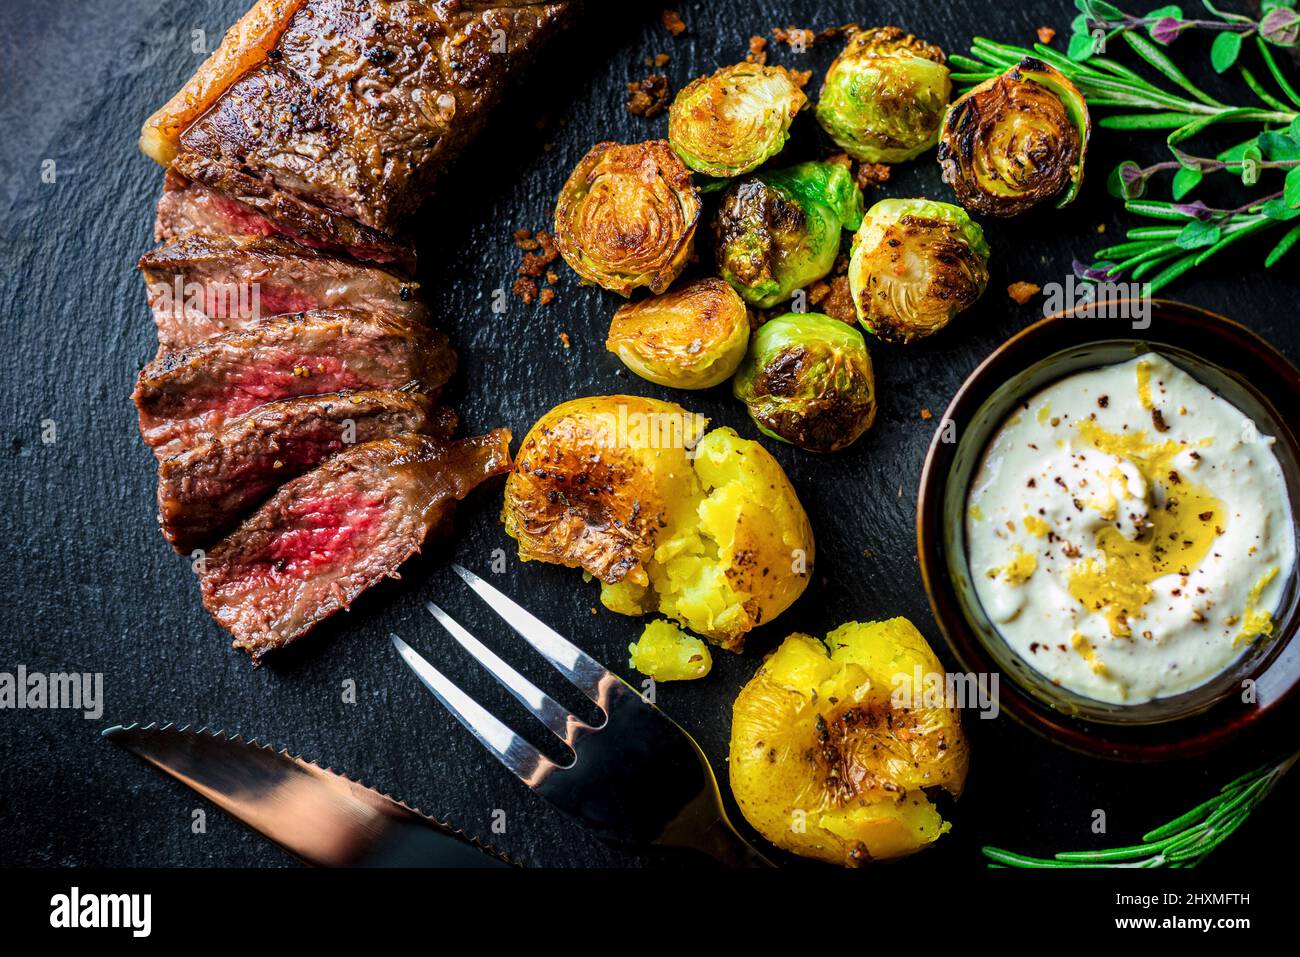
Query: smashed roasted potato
x=705, y=529
x=691, y=337
x=830, y=759
x=666, y=653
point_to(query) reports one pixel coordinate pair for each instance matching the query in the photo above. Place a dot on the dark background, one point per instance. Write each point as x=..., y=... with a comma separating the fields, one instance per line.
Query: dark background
x=88, y=584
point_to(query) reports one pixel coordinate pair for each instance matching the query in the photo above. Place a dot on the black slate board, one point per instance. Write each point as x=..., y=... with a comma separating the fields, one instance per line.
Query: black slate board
x=88, y=584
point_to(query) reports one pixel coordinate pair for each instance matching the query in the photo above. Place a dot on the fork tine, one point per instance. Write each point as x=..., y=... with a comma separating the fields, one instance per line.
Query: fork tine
x=542, y=706
x=575, y=664
x=529, y=764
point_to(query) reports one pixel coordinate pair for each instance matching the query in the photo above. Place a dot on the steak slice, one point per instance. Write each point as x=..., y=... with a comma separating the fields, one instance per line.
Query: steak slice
x=184, y=395
x=204, y=491
x=202, y=286
x=327, y=536
x=349, y=119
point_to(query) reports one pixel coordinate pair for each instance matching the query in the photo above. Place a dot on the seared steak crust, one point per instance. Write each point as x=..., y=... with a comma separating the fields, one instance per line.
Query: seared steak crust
x=205, y=490
x=203, y=286
x=327, y=536
x=183, y=395
x=359, y=106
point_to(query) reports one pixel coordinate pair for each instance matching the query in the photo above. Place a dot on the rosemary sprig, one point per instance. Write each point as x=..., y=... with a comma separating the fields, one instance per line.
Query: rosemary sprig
x=1183, y=842
x=1176, y=103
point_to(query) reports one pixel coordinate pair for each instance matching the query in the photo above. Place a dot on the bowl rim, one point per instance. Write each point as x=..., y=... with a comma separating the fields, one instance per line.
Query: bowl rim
x=1176, y=738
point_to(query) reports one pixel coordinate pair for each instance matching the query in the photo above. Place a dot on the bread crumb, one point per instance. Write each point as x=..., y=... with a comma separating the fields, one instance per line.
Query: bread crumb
x=564, y=340
x=757, y=50
x=1046, y=34
x=797, y=38
x=673, y=22
x=540, y=250
x=1022, y=292
x=648, y=97
x=800, y=77
x=834, y=299
x=871, y=174
x=546, y=296
x=525, y=289
x=927, y=414
x=1101, y=228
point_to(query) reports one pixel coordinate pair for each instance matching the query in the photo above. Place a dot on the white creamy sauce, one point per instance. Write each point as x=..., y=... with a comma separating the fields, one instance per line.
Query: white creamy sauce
x=1129, y=532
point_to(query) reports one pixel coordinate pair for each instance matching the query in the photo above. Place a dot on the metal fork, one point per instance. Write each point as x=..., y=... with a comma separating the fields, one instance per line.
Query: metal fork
x=637, y=778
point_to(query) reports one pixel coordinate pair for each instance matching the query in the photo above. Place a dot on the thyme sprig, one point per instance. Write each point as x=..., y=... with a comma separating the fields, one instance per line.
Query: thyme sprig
x=1183, y=842
x=1175, y=103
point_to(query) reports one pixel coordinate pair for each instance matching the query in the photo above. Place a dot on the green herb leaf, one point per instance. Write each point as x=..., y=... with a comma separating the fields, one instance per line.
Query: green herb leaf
x=1250, y=161
x=1198, y=233
x=1225, y=50
x=1283, y=246
x=1080, y=47
x=1278, y=209
x=1186, y=180
x=1291, y=188
x=1279, y=145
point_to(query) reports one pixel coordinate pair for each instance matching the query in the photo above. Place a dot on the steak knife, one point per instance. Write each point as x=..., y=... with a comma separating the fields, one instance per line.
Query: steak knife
x=316, y=814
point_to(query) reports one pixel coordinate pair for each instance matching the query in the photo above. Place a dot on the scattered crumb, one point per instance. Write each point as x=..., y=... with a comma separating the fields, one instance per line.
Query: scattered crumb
x=1022, y=292
x=525, y=289
x=593, y=610
x=841, y=159
x=1046, y=34
x=871, y=174
x=927, y=414
x=841, y=265
x=797, y=38
x=834, y=299
x=564, y=339
x=658, y=60
x=1101, y=228
x=540, y=250
x=757, y=50
x=673, y=22
x=648, y=97
x=800, y=77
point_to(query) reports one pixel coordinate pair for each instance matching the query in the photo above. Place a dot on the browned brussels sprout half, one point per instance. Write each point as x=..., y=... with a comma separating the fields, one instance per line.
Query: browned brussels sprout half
x=807, y=380
x=1016, y=140
x=735, y=120
x=916, y=263
x=779, y=230
x=626, y=217
x=884, y=96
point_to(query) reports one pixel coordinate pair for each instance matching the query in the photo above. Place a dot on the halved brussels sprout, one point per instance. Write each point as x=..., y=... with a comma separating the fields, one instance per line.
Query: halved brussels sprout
x=1016, y=140
x=807, y=380
x=779, y=230
x=916, y=263
x=705, y=530
x=884, y=96
x=626, y=217
x=735, y=120
x=692, y=337
x=666, y=653
x=835, y=751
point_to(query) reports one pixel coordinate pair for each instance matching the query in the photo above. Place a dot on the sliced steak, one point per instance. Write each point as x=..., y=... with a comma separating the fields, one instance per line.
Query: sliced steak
x=203, y=286
x=183, y=395
x=342, y=129
x=192, y=209
x=328, y=535
x=204, y=491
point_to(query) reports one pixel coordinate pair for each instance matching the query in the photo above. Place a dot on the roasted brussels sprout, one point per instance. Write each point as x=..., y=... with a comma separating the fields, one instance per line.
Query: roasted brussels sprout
x=807, y=380
x=666, y=653
x=1016, y=140
x=884, y=96
x=779, y=230
x=735, y=120
x=691, y=337
x=915, y=264
x=705, y=530
x=627, y=215
x=831, y=754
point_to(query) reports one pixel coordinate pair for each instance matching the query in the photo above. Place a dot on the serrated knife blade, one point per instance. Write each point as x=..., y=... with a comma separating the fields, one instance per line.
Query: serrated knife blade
x=314, y=813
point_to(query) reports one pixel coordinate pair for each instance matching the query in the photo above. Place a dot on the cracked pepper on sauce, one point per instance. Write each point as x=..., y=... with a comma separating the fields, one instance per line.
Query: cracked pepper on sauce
x=1129, y=532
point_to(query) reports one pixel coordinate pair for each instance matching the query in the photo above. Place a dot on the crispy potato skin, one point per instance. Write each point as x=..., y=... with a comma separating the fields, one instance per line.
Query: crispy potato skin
x=581, y=497
x=825, y=764
x=692, y=337
x=244, y=45
x=717, y=541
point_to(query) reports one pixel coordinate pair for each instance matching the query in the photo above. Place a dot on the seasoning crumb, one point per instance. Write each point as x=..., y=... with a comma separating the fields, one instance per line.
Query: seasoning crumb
x=871, y=174
x=564, y=340
x=648, y=97
x=1046, y=34
x=1022, y=292
x=525, y=289
x=927, y=414
x=673, y=22
x=546, y=296
x=757, y=50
